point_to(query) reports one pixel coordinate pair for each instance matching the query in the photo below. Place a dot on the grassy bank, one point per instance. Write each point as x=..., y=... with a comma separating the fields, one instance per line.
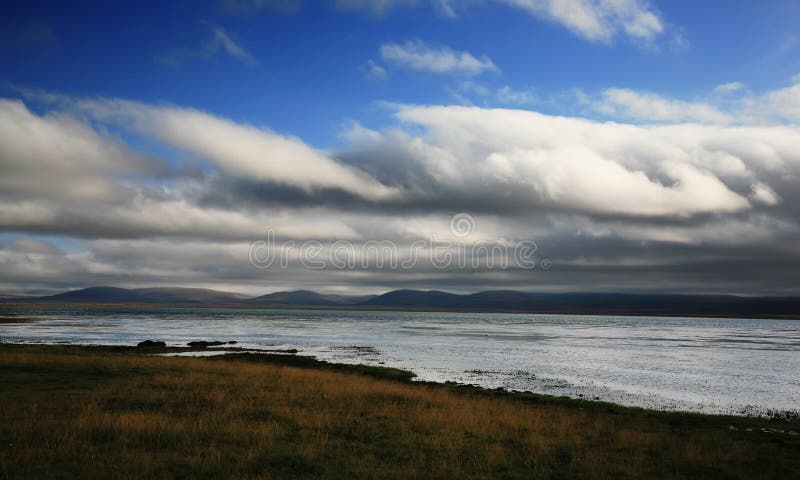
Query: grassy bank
x=81, y=412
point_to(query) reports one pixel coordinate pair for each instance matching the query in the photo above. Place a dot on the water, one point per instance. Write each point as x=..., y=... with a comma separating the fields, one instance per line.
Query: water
x=734, y=366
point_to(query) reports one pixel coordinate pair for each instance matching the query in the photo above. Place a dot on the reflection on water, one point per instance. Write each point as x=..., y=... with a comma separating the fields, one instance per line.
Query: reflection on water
x=695, y=364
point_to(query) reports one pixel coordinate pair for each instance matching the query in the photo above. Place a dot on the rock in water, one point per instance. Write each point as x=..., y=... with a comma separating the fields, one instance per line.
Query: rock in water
x=204, y=344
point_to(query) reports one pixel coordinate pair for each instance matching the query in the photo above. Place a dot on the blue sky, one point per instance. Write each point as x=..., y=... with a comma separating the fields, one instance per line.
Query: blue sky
x=308, y=76
x=643, y=145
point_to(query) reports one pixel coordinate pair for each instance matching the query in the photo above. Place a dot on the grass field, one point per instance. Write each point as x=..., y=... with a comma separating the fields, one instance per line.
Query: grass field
x=84, y=412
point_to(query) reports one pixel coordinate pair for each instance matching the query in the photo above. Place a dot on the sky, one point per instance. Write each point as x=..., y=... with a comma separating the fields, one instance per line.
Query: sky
x=624, y=145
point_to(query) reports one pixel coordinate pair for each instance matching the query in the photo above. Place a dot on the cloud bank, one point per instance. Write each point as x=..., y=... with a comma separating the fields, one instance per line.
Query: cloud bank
x=676, y=205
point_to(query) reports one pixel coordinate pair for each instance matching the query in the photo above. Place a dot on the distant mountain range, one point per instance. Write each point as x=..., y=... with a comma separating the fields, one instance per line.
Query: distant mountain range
x=307, y=298
x=145, y=296
x=488, y=301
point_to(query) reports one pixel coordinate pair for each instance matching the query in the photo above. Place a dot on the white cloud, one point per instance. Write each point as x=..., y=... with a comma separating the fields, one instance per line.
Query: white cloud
x=175, y=217
x=780, y=105
x=220, y=41
x=464, y=92
x=572, y=163
x=728, y=103
x=578, y=177
x=595, y=20
x=60, y=176
x=753, y=230
x=626, y=103
x=729, y=87
x=55, y=156
x=417, y=55
x=508, y=95
x=446, y=8
x=240, y=149
x=762, y=193
x=373, y=71
x=598, y=20
x=224, y=40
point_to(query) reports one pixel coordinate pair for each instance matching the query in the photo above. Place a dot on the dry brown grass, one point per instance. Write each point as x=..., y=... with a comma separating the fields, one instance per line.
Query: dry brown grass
x=106, y=415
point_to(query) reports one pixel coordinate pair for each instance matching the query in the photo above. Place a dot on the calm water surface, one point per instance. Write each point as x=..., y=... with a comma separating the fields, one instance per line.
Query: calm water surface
x=708, y=365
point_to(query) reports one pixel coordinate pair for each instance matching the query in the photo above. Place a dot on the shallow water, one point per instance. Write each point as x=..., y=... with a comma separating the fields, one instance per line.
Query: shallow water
x=736, y=366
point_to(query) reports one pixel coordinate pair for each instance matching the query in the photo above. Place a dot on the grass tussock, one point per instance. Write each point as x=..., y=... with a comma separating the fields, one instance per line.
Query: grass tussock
x=84, y=413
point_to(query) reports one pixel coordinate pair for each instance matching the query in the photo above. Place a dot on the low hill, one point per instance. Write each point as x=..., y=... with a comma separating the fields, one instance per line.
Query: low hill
x=591, y=303
x=417, y=299
x=486, y=301
x=158, y=295
x=306, y=298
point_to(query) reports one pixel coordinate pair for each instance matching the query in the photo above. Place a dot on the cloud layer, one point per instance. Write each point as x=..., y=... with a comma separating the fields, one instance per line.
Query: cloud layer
x=675, y=205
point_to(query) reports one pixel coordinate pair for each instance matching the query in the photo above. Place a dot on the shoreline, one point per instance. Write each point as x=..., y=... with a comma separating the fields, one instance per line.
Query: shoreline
x=507, y=361
x=296, y=358
x=101, y=411
x=353, y=308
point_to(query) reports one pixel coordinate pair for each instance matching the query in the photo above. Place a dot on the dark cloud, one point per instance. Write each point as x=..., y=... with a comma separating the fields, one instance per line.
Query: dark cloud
x=611, y=206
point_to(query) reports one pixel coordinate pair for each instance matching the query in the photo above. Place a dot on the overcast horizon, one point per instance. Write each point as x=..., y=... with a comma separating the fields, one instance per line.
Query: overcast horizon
x=638, y=146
